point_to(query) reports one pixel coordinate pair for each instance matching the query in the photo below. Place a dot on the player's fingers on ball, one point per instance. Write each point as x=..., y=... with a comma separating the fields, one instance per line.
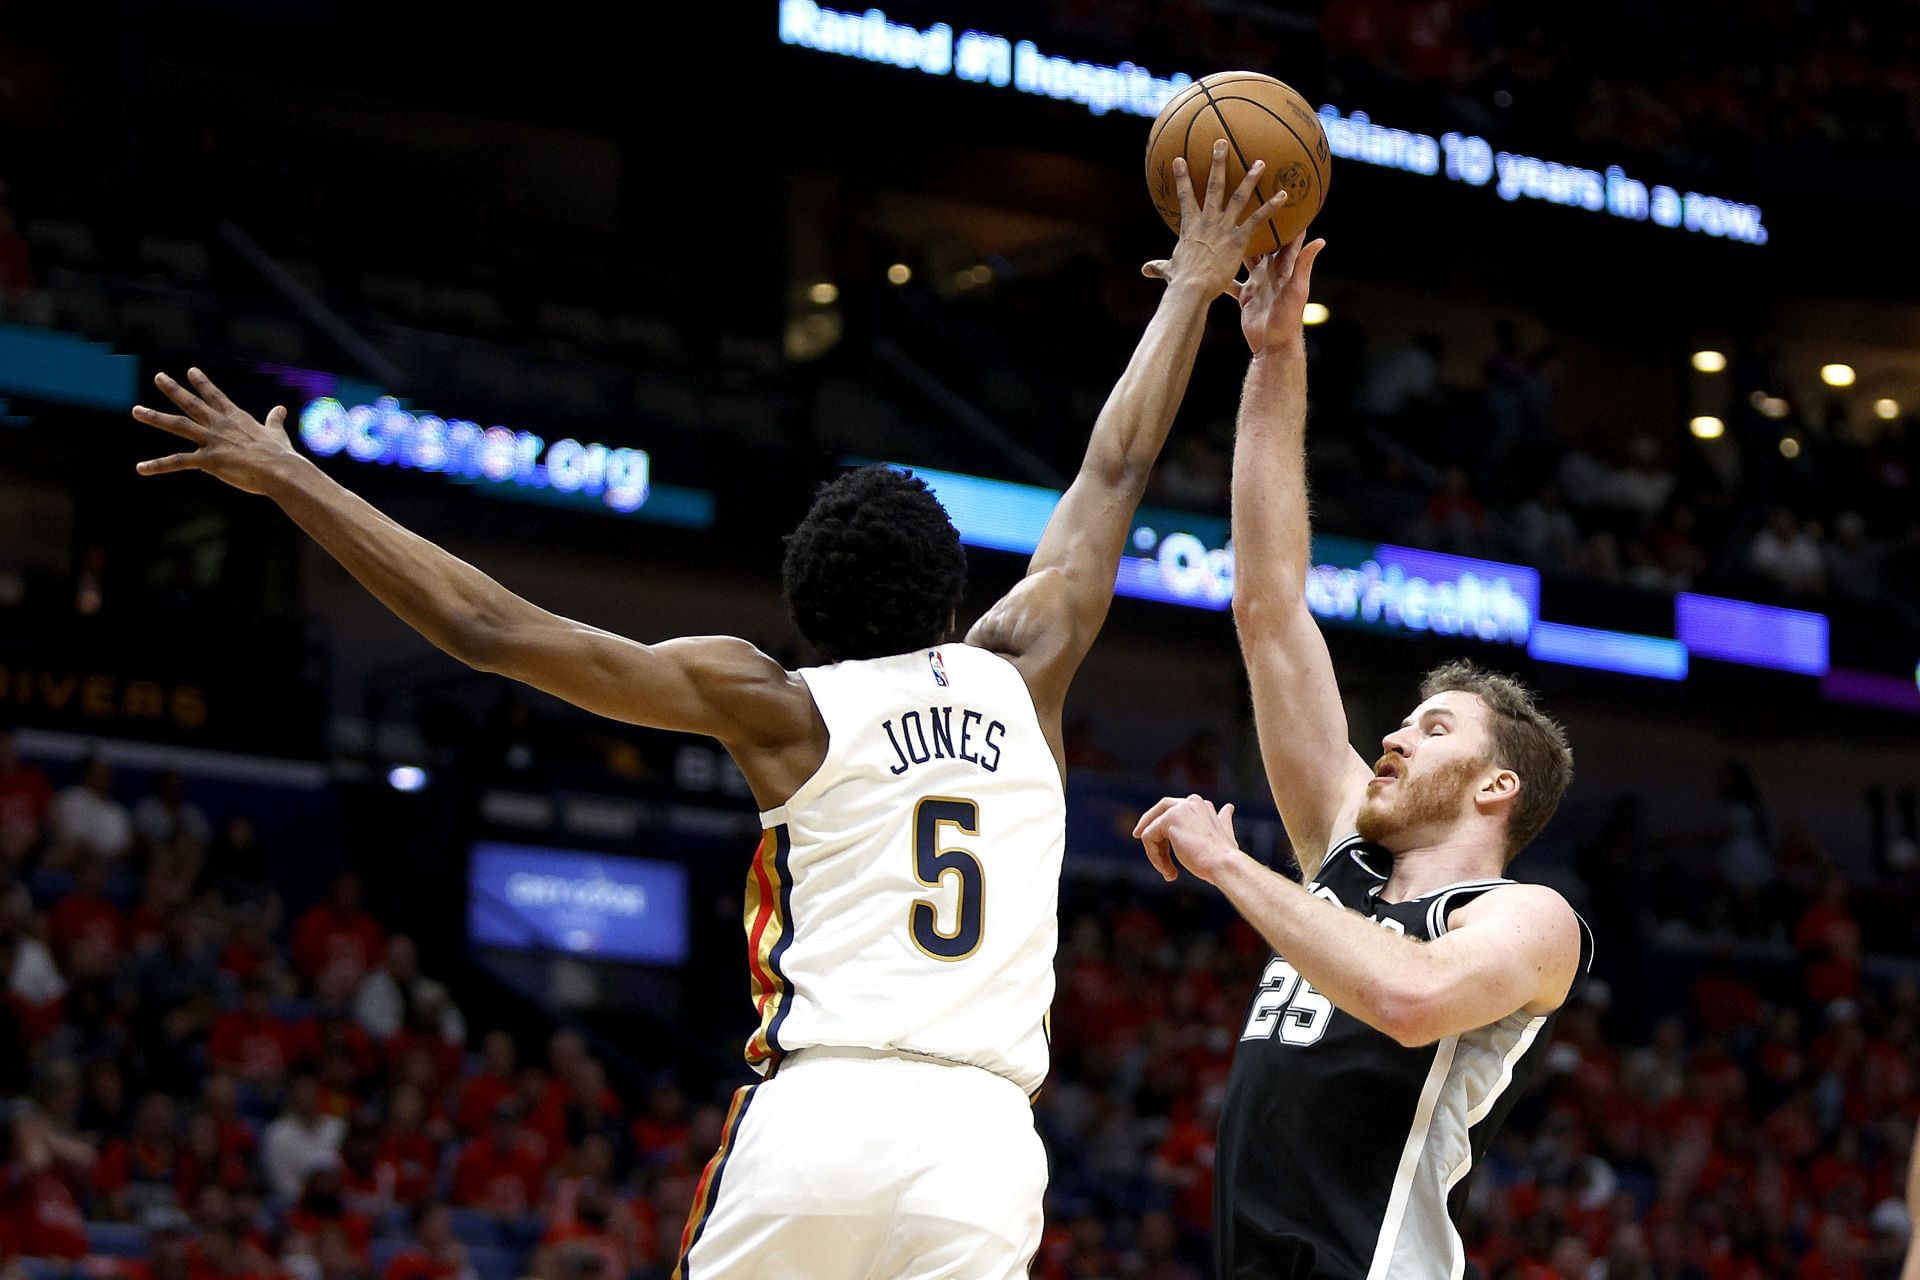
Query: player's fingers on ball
x=170, y=463
x=1269, y=209
x=1248, y=184
x=1217, y=174
x=173, y=422
x=1183, y=185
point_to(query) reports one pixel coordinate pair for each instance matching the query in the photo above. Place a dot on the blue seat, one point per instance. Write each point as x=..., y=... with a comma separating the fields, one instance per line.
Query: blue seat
x=382, y=1252
x=45, y=1269
x=477, y=1229
x=495, y=1263
x=116, y=1240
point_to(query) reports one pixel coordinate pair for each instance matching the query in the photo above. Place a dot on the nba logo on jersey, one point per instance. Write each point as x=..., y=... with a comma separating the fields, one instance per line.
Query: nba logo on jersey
x=939, y=667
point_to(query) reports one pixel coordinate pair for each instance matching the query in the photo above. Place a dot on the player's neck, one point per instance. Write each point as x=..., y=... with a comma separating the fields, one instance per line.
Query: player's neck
x=1431, y=865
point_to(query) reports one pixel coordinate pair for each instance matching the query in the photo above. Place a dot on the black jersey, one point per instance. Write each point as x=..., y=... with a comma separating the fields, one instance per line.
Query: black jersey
x=1341, y=1152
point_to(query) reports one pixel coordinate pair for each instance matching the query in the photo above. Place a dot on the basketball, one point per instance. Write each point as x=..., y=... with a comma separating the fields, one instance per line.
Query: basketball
x=1261, y=119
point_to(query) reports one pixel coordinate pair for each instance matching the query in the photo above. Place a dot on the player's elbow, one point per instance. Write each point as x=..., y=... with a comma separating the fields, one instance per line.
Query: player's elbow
x=480, y=641
x=1410, y=1011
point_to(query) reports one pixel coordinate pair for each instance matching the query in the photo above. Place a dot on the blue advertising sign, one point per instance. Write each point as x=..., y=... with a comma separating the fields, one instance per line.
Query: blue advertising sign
x=530, y=899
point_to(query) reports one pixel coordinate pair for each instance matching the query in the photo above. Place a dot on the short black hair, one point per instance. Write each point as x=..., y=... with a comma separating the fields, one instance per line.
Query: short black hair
x=875, y=568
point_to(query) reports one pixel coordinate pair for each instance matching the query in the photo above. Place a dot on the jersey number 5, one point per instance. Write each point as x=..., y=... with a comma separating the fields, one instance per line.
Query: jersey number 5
x=932, y=865
x=1287, y=1003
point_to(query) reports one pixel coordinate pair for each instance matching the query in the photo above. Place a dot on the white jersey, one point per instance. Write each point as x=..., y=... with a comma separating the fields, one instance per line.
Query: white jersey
x=905, y=898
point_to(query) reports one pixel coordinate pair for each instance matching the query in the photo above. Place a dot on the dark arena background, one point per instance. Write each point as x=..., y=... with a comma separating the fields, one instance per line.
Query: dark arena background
x=1616, y=369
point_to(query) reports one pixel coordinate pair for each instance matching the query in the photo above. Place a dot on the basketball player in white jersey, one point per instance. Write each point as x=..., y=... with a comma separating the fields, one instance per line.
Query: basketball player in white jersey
x=901, y=910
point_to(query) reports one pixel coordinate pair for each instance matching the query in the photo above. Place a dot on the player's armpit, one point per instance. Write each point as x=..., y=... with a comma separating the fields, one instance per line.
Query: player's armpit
x=1510, y=949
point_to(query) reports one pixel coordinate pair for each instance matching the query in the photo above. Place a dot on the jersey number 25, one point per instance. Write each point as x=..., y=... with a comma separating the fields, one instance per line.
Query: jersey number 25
x=1287, y=1003
x=932, y=865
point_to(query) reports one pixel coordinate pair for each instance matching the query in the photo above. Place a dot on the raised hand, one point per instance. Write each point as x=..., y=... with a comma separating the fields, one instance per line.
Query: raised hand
x=1275, y=295
x=1214, y=236
x=234, y=446
x=1188, y=833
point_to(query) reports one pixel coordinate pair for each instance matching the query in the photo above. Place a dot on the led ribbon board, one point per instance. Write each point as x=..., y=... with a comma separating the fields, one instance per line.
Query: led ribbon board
x=998, y=62
x=512, y=464
x=1186, y=559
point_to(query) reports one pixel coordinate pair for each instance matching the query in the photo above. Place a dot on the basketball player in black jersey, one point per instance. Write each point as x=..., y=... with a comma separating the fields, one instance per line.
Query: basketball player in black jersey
x=1413, y=986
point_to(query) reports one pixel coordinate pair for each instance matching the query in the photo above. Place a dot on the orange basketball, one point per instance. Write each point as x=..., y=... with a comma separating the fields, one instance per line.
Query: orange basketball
x=1261, y=119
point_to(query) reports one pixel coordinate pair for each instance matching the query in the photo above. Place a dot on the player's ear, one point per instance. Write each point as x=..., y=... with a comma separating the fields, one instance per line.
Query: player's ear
x=1500, y=789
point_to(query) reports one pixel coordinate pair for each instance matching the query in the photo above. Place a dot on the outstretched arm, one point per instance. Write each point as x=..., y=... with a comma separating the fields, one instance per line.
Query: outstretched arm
x=1317, y=779
x=1503, y=952
x=714, y=685
x=1047, y=623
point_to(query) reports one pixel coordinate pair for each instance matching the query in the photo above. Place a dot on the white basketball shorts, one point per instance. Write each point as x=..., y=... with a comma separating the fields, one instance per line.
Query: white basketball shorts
x=851, y=1164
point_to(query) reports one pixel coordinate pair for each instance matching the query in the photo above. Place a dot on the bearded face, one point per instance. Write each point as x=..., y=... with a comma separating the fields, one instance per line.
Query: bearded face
x=1397, y=811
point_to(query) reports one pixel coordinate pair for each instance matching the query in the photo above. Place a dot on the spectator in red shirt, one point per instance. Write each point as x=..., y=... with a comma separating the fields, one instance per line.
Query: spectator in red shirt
x=1184, y=1164
x=41, y=1217
x=141, y=1170
x=493, y=1085
x=660, y=1135
x=407, y=1150
x=86, y=918
x=322, y=1210
x=337, y=935
x=225, y=1252
x=250, y=1042
x=25, y=797
x=593, y=1224
x=1829, y=942
x=437, y=1253
x=501, y=1172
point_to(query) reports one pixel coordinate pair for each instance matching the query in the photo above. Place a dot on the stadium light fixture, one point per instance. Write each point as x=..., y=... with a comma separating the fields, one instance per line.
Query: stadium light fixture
x=1789, y=447
x=1314, y=313
x=407, y=777
x=1886, y=408
x=1710, y=361
x=826, y=293
x=899, y=273
x=1837, y=375
x=1707, y=427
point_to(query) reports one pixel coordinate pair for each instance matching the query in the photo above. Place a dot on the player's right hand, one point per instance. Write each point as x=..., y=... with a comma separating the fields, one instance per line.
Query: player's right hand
x=1214, y=236
x=234, y=446
x=1273, y=300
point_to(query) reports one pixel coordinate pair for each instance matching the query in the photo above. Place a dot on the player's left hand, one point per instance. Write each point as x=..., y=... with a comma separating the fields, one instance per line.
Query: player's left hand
x=1214, y=235
x=1188, y=833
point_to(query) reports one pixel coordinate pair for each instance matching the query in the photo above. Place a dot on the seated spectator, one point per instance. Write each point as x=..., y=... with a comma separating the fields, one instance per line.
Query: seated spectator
x=1852, y=562
x=1787, y=556
x=660, y=1134
x=1828, y=938
x=322, y=1209
x=502, y=1171
x=387, y=996
x=249, y=1042
x=87, y=821
x=1085, y=750
x=301, y=1137
x=142, y=1170
x=38, y=1211
x=436, y=1253
x=34, y=988
x=487, y=1088
x=1544, y=533
x=1455, y=519
x=167, y=815
x=226, y=1250
x=409, y=1152
x=87, y=917
x=236, y=865
x=337, y=935
x=25, y=798
x=589, y=1220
